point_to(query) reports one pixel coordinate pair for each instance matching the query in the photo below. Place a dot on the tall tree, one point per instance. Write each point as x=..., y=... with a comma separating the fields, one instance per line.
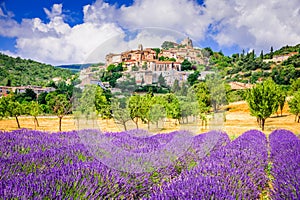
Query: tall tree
x=193, y=78
x=261, y=56
x=10, y=107
x=157, y=112
x=161, y=80
x=175, y=86
x=262, y=101
x=86, y=104
x=271, y=52
x=217, y=91
x=120, y=115
x=135, y=106
x=33, y=109
x=172, y=106
x=294, y=105
x=281, y=99
x=186, y=65
x=60, y=105
x=102, y=103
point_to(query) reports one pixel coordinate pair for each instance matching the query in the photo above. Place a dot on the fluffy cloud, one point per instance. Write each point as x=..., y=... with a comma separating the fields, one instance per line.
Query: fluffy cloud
x=107, y=28
x=184, y=16
x=255, y=24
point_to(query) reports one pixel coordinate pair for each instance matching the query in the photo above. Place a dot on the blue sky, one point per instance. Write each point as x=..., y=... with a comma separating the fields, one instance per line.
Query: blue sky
x=62, y=32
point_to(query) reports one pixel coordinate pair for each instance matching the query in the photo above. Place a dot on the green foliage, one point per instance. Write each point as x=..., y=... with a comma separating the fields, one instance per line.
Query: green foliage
x=172, y=106
x=295, y=85
x=102, y=103
x=262, y=100
x=208, y=51
x=193, y=78
x=86, y=104
x=202, y=94
x=293, y=60
x=28, y=95
x=175, y=87
x=167, y=45
x=33, y=109
x=283, y=50
x=217, y=91
x=120, y=113
x=186, y=65
x=157, y=112
x=281, y=99
x=136, y=108
x=115, y=68
x=218, y=61
x=59, y=105
x=157, y=51
x=18, y=72
x=10, y=107
x=283, y=74
x=127, y=86
x=153, y=89
x=161, y=80
x=294, y=105
x=112, y=74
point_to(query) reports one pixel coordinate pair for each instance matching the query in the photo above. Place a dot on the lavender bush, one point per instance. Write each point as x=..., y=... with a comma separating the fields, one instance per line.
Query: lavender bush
x=88, y=164
x=285, y=158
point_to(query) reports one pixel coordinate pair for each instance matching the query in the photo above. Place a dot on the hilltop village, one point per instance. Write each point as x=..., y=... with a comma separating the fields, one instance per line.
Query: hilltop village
x=146, y=65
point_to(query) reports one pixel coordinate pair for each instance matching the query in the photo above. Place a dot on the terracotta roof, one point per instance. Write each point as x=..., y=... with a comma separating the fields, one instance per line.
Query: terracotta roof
x=130, y=61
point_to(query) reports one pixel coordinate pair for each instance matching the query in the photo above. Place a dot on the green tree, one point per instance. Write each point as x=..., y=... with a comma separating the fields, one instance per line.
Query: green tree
x=295, y=85
x=86, y=105
x=261, y=56
x=161, y=80
x=186, y=65
x=102, y=103
x=262, y=101
x=59, y=104
x=147, y=104
x=135, y=106
x=271, y=52
x=10, y=107
x=201, y=91
x=281, y=99
x=294, y=105
x=157, y=51
x=193, y=78
x=172, y=106
x=175, y=86
x=167, y=45
x=34, y=109
x=217, y=91
x=157, y=113
x=121, y=115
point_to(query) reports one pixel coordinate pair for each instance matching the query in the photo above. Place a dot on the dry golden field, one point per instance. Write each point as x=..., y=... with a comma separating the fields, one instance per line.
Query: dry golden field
x=238, y=120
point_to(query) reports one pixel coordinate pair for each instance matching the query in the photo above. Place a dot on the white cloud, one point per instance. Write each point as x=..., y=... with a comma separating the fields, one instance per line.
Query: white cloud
x=184, y=16
x=106, y=28
x=55, y=11
x=255, y=24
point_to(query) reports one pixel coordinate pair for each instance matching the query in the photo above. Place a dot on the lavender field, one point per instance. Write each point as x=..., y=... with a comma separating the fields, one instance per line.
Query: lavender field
x=136, y=165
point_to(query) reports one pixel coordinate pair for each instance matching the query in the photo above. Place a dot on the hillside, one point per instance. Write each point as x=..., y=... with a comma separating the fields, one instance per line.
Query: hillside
x=17, y=72
x=281, y=65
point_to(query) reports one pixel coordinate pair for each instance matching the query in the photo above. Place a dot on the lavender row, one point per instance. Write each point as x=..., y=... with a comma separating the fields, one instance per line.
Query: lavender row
x=285, y=158
x=59, y=162
x=236, y=171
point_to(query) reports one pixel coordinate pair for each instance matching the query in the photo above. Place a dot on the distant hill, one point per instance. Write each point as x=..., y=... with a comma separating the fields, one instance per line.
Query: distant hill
x=78, y=67
x=18, y=72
